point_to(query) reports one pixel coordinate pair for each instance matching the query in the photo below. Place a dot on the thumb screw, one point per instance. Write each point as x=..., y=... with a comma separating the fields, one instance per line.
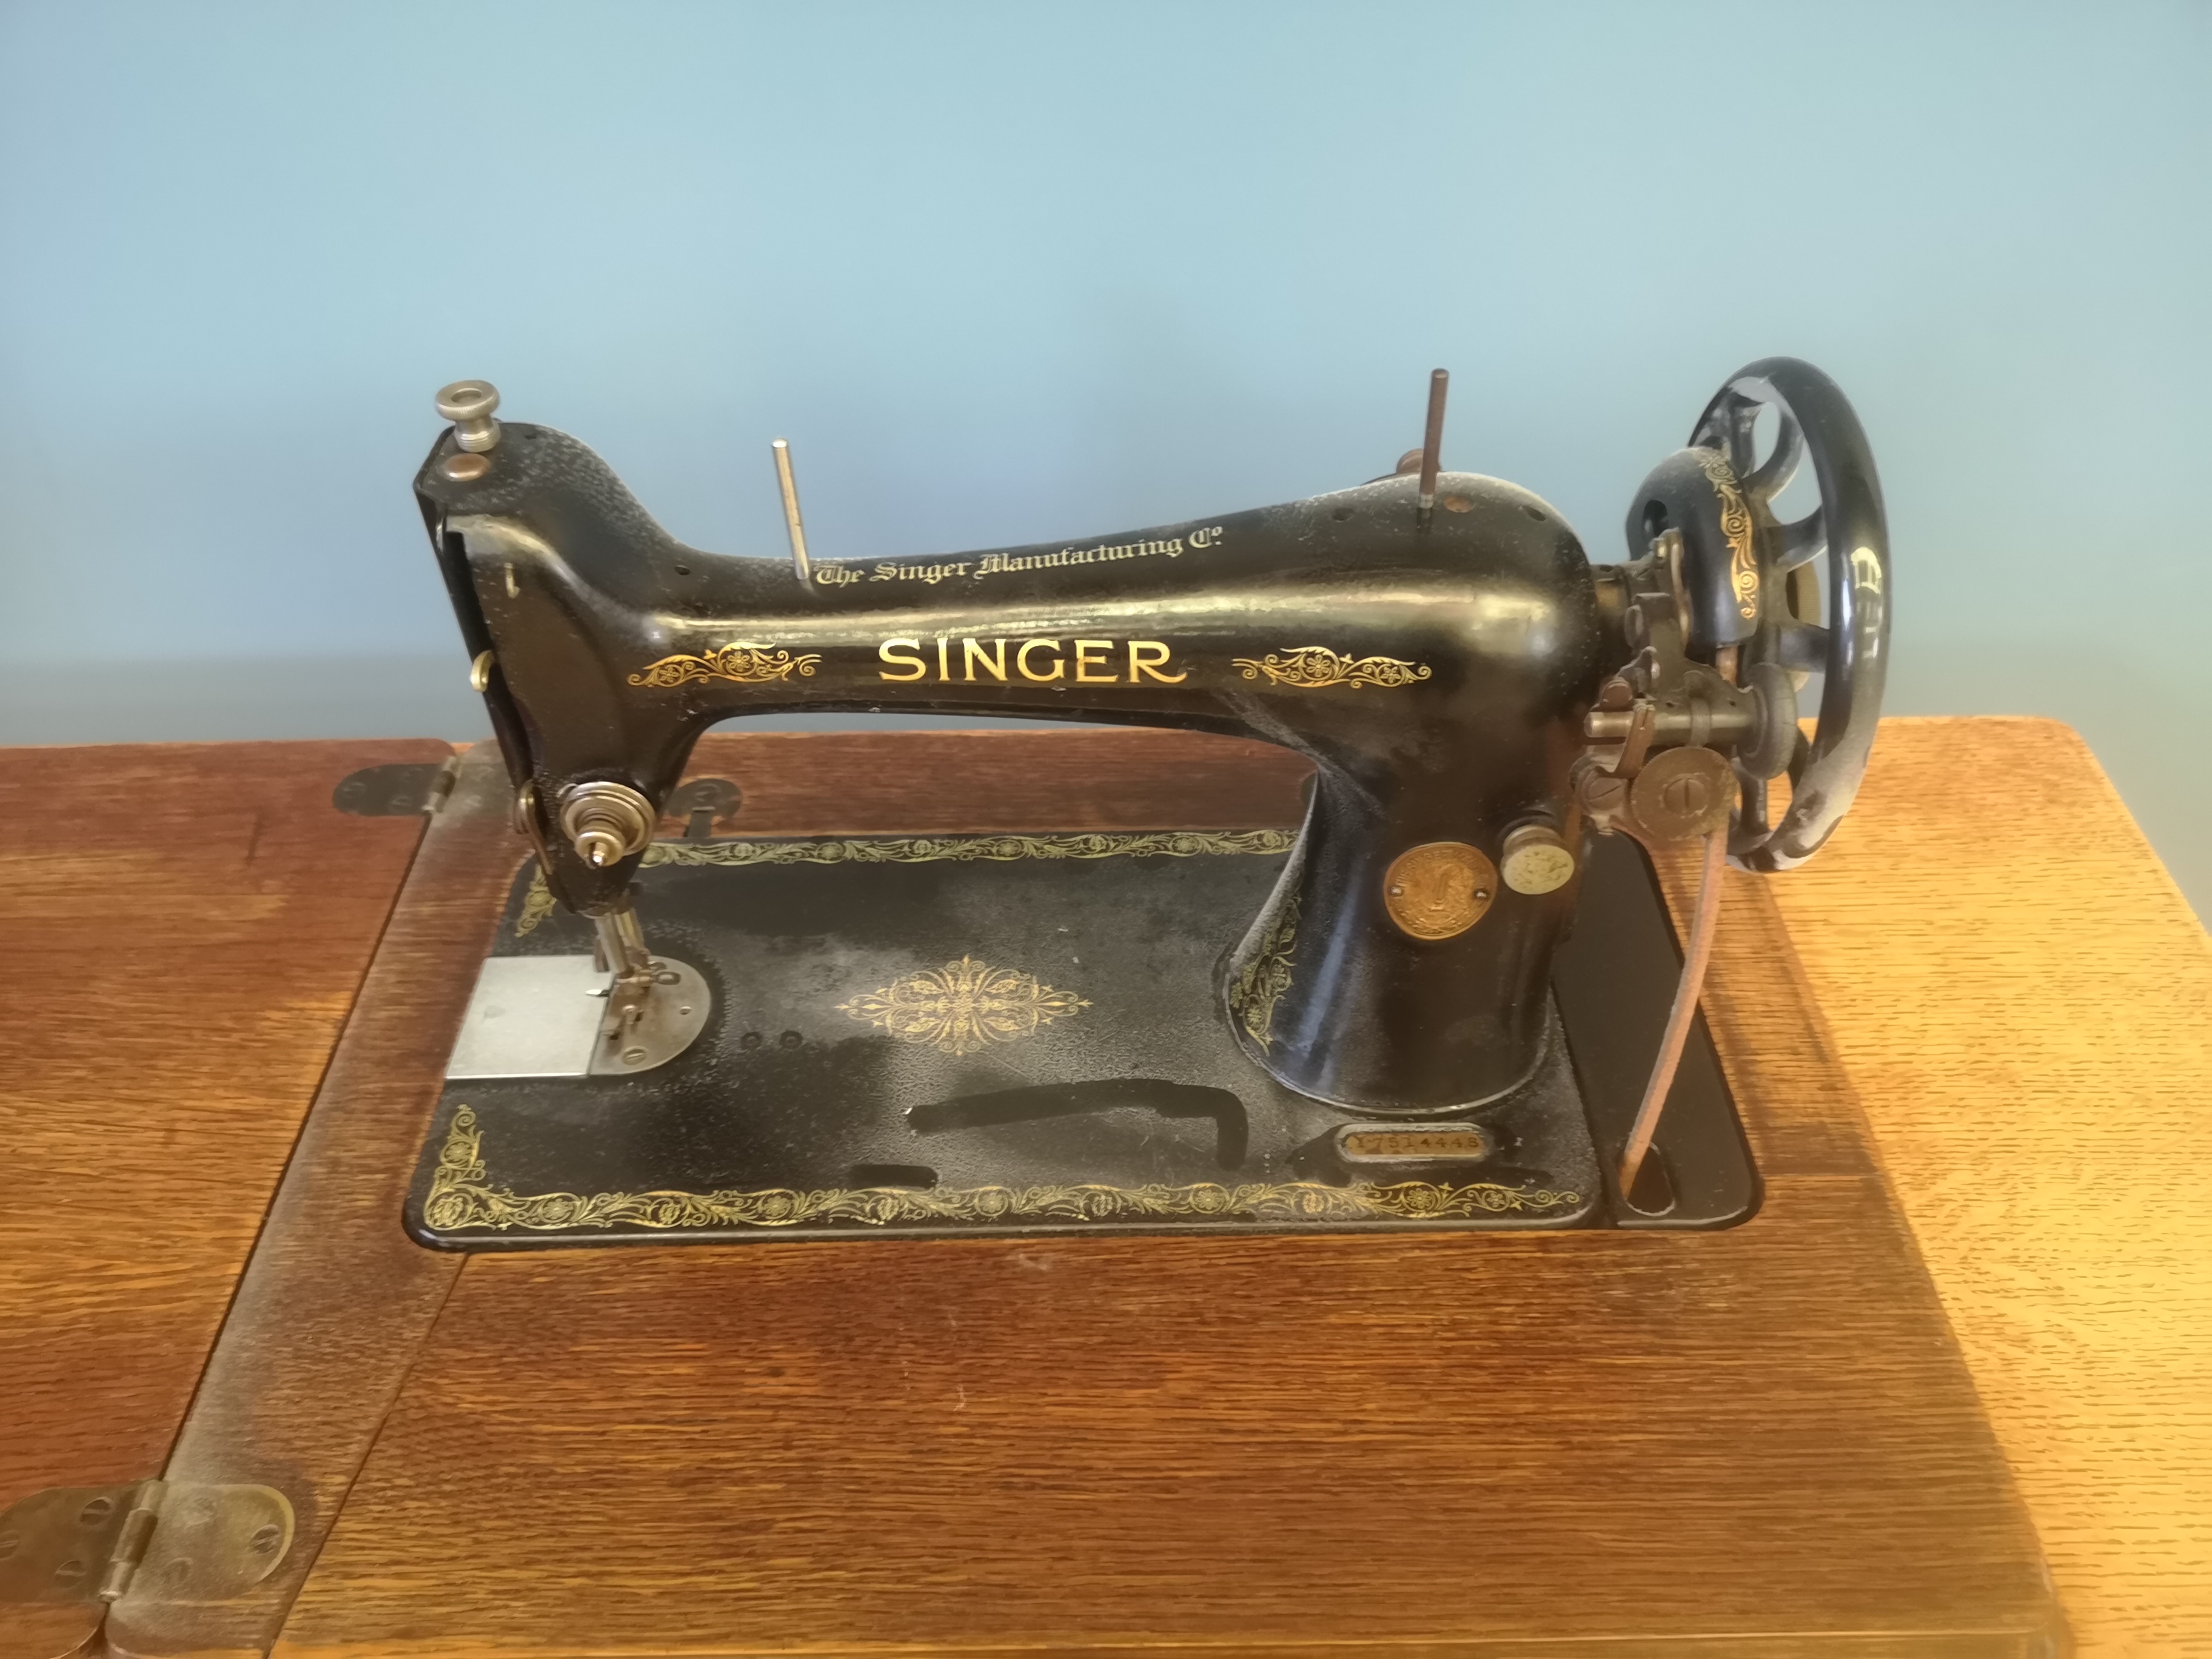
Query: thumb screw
x=468, y=404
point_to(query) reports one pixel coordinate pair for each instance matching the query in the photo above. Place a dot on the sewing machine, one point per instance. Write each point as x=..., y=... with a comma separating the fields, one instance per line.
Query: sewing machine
x=730, y=997
x=1452, y=999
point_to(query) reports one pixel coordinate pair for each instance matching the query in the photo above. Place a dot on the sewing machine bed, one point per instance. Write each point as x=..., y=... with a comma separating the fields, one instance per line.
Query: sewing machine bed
x=1022, y=1033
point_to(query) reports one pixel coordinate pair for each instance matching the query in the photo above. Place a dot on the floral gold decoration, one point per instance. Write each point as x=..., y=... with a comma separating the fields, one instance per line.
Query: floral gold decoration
x=1736, y=525
x=1254, y=991
x=462, y=1196
x=537, y=902
x=1308, y=667
x=963, y=1007
x=745, y=663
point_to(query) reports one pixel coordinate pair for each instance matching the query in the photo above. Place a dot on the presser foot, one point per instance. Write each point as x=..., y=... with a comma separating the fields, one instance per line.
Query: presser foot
x=567, y=1016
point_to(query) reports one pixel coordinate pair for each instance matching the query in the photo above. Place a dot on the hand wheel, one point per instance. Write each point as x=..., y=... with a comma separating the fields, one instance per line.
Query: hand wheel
x=1751, y=586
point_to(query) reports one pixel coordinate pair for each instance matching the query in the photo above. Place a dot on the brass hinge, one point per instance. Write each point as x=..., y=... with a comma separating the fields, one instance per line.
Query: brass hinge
x=192, y=1542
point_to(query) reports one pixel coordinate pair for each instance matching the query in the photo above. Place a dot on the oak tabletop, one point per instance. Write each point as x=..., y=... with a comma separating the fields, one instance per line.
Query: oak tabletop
x=2019, y=998
x=187, y=925
x=2023, y=1000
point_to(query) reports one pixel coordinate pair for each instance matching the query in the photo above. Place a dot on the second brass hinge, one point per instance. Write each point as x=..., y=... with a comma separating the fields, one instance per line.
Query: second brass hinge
x=179, y=1540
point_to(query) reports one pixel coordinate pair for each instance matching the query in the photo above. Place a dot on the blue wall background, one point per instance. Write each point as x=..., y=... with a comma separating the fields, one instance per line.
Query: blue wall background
x=1009, y=272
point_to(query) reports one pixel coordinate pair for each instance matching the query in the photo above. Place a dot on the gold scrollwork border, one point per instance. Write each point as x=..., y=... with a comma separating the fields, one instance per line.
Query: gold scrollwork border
x=741, y=660
x=1736, y=525
x=462, y=1196
x=1255, y=991
x=537, y=902
x=1310, y=667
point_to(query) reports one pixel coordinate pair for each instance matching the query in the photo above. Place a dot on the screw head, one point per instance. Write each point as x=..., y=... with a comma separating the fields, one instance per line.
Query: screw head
x=632, y=1056
x=266, y=1538
x=69, y=1573
x=465, y=468
x=95, y=1512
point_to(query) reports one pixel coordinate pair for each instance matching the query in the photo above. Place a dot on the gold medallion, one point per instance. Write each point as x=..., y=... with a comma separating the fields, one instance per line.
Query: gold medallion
x=1438, y=890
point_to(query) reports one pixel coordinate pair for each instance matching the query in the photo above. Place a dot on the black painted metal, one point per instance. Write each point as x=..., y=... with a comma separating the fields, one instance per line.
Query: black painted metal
x=1493, y=626
x=1140, y=1090
x=1494, y=606
x=1849, y=533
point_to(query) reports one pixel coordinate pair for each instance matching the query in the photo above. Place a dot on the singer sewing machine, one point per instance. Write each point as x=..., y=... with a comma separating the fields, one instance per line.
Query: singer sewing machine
x=1502, y=1372
x=1452, y=999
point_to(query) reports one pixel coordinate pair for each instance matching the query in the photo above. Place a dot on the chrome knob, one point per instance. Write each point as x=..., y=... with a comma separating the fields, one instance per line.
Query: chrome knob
x=605, y=822
x=468, y=405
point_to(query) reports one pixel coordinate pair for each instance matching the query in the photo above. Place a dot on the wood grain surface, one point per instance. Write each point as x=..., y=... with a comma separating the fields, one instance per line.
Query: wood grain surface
x=2024, y=1003
x=330, y=1309
x=328, y=1317
x=1756, y=1442
x=185, y=927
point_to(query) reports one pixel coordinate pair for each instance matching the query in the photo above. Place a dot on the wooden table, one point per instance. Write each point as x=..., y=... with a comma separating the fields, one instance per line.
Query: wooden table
x=2018, y=996
x=2024, y=1002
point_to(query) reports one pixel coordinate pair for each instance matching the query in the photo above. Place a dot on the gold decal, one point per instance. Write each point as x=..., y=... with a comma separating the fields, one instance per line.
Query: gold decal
x=1736, y=525
x=994, y=665
x=537, y=901
x=1022, y=661
x=745, y=663
x=900, y=659
x=1253, y=995
x=1041, y=662
x=964, y=1006
x=462, y=1196
x=1310, y=667
x=1150, y=657
x=1087, y=658
x=1439, y=891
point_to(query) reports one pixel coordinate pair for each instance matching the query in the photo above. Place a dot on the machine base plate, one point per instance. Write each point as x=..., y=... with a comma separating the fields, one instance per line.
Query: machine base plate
x=1020, y=1034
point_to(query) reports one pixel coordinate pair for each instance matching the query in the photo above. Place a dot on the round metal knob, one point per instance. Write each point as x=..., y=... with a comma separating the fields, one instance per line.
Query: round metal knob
x=605, y=822
x=1681, y=793
x=468, y=405
x=1534, y=859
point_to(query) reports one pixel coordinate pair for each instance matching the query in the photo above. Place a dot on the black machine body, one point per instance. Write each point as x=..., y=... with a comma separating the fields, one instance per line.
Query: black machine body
x=1477, y=696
